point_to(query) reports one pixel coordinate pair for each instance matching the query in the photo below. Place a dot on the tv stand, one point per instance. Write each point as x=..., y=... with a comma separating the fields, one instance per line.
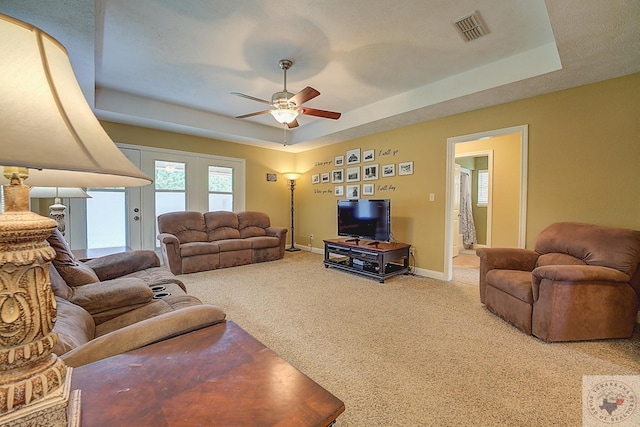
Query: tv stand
x=378, y=260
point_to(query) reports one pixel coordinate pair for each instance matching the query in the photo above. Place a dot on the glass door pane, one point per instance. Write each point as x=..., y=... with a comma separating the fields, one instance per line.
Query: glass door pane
x=170, y=189
x=220, y=184
x=106, y=218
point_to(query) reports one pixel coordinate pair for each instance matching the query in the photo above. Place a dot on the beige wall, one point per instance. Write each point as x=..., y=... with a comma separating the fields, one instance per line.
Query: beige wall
x=584, y=158
x=505, y=202
x=270, y=197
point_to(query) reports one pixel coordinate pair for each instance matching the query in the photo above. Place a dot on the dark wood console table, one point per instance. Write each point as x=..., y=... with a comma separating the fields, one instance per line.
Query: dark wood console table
x=218, y=375
x=377, y=260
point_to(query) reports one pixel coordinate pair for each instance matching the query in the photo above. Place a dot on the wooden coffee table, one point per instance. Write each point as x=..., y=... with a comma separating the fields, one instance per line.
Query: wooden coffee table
x=218, y=375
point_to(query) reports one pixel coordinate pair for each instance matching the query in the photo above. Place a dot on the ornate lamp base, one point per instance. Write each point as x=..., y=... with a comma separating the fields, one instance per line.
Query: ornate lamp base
x=58, y=410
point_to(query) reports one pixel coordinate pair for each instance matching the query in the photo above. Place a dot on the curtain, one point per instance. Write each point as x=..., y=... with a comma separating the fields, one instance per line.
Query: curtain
x=467, y=226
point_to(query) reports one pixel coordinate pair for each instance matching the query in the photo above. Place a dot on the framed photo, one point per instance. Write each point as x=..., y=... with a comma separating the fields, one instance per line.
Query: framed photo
x=324, y=177
x=370, y=172
x=272, y=177
x=405, y=168
x=369, y=155
x=339, y=161
x=367, y=189
x=353, y=156
x=389, y=170
x=338, y=191
x=353, y=191
x=353, y=174
x=315, y=178
x=337, y=175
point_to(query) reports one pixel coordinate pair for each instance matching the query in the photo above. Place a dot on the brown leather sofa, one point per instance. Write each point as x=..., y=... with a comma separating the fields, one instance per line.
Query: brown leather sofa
x=580, y=282
x=117, y=303
x=194, y=241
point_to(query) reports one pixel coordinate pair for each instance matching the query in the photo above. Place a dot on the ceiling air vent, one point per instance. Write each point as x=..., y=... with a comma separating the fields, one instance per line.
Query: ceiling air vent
x=470, y=27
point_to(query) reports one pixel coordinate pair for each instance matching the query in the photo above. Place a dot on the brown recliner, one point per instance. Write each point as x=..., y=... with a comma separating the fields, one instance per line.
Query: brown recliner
x=580, y=282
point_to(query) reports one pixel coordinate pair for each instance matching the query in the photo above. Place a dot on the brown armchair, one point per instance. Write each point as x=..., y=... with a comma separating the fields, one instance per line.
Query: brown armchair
x=580, y=282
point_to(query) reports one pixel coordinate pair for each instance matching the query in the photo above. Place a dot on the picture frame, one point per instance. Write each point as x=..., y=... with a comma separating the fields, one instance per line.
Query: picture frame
x=353, y=156
x=368, y=189
x=339, y=161
x=353, y=191
x=405, y=168
x=272, y=177
x=315, y=178
x=368, y=156
x=370, y=172
x=337, y=176
x=324, y=178
x=389, y=170
x=353, y=174
x=338, y=191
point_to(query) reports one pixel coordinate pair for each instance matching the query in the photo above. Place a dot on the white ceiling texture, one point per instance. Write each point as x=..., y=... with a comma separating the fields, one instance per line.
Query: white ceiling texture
x=172, y=64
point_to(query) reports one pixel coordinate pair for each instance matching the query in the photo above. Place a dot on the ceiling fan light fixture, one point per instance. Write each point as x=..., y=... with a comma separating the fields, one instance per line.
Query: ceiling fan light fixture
x=285, y=115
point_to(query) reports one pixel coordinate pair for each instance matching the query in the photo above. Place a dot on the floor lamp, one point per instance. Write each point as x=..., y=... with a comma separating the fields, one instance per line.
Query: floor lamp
x=50, y=137
x=57, y=209
x=292, y=176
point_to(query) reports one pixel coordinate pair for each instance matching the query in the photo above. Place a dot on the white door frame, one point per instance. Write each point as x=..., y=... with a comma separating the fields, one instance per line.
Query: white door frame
x=523, y=130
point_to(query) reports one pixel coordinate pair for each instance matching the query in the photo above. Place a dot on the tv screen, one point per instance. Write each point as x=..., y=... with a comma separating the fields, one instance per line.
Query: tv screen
x=365, y=219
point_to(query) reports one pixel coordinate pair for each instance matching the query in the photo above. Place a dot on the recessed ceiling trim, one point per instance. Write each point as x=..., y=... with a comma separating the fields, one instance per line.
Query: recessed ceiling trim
x=470, y=27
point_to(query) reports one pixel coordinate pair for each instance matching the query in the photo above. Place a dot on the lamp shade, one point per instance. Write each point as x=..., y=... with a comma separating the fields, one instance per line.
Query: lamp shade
x=46, y=124
x=292, y=175
x=54, y=192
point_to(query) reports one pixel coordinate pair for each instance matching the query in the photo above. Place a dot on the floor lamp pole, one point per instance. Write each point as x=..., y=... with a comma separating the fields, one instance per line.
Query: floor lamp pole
x=292, y=248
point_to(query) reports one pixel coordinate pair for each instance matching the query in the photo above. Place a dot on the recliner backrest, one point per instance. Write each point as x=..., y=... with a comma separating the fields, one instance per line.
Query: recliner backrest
x=576, y=243
x=187, y=226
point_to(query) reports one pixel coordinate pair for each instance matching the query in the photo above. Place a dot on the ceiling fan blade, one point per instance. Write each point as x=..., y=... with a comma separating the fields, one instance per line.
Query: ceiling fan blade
x=304, y=95
x=293, y=124
x=321, y=113
x=253, y=114
x=253, y=98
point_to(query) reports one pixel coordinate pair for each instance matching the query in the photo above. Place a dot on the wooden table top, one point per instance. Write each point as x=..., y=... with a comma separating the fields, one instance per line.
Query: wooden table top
x=218, y=375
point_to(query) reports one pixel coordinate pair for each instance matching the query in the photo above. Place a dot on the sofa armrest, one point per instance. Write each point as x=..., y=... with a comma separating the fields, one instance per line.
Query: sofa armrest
x=275, y=231
x=170, y=248
x=116, y=265
x=111, y=295
x=504, y=259
x=143, y=333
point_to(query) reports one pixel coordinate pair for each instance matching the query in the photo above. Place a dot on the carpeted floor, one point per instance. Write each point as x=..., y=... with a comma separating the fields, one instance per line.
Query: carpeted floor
x=412, y=351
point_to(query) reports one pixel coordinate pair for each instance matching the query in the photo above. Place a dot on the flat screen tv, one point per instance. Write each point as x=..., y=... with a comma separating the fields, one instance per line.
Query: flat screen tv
x=365, y=219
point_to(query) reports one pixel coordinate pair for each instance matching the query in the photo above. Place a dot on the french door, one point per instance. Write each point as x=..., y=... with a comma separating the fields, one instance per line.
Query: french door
x=116, y=217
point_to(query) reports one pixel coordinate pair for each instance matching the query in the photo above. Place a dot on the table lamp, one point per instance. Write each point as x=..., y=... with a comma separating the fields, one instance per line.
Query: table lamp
x=49, y=137
x=57, y=209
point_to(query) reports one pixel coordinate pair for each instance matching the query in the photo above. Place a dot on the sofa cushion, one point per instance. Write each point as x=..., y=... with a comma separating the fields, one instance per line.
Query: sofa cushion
x=199, y=248
x=58, y=285
x=513, y=282
x=111, y=294
x=74, y=272
x=74, y=326
x=264, y=242
x=222, y=225
x=253, y=224
x=234, y=245
x=186, y=226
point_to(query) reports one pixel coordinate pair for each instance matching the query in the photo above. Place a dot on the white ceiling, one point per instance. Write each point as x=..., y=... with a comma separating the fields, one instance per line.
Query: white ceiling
x=172, y=65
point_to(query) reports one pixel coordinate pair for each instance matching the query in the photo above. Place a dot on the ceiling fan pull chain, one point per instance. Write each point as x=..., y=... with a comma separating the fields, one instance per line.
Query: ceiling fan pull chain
x=284, y=131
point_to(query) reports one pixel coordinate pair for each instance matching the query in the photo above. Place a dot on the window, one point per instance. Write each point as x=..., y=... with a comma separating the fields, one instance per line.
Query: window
x=170, y=187
x=483, y=187
x=220, y=188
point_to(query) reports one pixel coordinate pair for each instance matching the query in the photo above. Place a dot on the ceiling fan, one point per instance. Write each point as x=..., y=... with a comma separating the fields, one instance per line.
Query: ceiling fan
x=286, y=105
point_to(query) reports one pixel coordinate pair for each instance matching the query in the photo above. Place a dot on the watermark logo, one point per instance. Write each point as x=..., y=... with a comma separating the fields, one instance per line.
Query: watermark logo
x=610, y=400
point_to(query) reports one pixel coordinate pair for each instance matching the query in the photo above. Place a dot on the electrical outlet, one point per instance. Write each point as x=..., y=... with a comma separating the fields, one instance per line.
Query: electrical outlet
x=311, y=237
x=412, y=251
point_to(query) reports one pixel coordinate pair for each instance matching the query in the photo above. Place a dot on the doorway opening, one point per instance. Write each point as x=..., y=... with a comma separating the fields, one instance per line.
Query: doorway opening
x=514, y=213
